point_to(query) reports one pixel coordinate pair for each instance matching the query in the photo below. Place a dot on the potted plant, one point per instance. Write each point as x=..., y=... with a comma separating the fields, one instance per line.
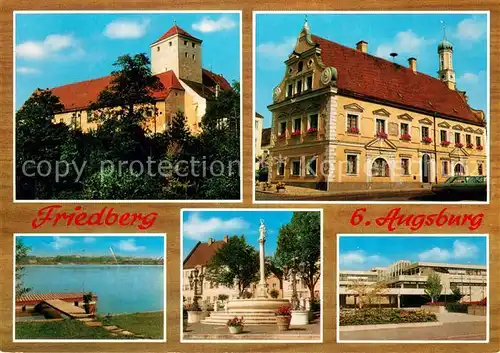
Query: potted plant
x=445, y=143
x=405, y=137
x=274, y=293
x=295, y=133
x=427, y=139
x=283, y=317
x=87, y=301
x=312, y=130
x=470, y=145
x=353, y=130
x=479, y=147
x=235, y=325
x=280, y=186
x=300, y=316
x=194, y=311
x=459, y=145
x=381, y=134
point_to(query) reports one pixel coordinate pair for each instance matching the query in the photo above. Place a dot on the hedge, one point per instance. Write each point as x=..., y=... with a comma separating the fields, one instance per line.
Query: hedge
x=456, y=307
x=372, y=316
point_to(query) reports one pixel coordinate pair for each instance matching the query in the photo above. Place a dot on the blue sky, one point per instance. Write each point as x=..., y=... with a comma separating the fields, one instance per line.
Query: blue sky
x=414, y=35
x=364, y=252
x=94, y=245
x=201, y=225
x=56, y=49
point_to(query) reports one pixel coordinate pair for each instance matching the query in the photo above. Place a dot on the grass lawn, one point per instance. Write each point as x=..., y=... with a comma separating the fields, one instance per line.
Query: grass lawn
x=147, y=324
x=65, y=329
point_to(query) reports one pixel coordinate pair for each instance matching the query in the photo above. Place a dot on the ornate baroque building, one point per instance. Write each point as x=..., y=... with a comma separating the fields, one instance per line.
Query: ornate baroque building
x=345, y=119
x=176, y=61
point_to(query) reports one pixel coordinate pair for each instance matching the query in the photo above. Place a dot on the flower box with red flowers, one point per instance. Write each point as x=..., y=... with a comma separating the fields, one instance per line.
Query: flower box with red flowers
x=381, y=134
x=459, y=145
x=405, y=137
x=312, y=130
x=353, y=130
x=295, y=133
x=445, y=143
x=282, y=135
x=427, y=139
x=283, y=310
x=470, y=145
x=479, y=147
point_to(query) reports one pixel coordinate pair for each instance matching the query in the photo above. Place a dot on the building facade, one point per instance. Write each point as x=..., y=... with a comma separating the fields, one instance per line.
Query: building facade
x=195, y=264
x=404, y=282
x=187, y=86
x=344, y=119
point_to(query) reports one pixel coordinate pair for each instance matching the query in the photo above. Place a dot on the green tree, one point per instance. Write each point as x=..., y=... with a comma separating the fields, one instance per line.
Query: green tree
x=39, y=139
x=235, y=259
x=455, y=293
x=275, y=266
x=433, y=286
x=21, y=258
x=301, y=240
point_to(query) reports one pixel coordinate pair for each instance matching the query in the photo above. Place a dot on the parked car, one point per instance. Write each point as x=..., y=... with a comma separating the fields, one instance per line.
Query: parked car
x=462, y=187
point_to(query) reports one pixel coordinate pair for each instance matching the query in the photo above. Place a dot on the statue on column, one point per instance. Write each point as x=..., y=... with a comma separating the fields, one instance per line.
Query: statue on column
x=262, y=286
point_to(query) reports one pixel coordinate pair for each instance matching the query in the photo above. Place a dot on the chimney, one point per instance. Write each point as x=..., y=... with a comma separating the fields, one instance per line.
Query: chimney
x=211, y=241
x=362, y=46
x=412, y=64
x=226, y=238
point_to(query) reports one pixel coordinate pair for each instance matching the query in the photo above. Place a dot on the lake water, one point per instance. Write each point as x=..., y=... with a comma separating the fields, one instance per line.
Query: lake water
x=120, y=288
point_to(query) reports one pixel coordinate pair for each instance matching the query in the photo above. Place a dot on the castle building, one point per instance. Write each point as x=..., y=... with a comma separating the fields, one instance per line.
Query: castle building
x=404, y=282
x=345, y=119
x=176, y=61
x=199, y=257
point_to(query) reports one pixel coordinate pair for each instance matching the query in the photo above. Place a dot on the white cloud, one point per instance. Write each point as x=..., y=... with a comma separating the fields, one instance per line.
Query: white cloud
x=475, y=86
x=129, y=245
x=358, y=259
x=60, y=242
x=89, y=240
x=460, y=250
x=470, y=29
x=199, y=229
x=469, y=77
x=24, y=70
x=207, y=25
x=52, y=45
x=407, y=42
x=126, y=29
x=279, y=50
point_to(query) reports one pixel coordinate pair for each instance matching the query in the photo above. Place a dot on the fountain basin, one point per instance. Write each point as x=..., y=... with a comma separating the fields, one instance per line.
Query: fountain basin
x=256, y=305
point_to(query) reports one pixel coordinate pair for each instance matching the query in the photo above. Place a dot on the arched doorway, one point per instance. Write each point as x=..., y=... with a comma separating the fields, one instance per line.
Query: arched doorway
x=380, y=168
x=459, y=170
x=426, y=168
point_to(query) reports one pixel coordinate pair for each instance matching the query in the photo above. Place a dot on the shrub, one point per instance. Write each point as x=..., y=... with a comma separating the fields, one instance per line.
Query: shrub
x=246, y=295
x=235, y=322
x=456, y=307
x=274, y=293
x=436, y=303
x=315, y=306
x=384, y=316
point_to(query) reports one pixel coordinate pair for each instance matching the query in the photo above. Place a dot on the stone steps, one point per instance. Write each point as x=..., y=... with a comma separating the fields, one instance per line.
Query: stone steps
x=255, y=318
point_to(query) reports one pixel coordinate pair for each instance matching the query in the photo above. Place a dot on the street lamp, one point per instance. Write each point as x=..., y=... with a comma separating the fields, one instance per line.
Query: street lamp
x=196, y=281
x=291, y=272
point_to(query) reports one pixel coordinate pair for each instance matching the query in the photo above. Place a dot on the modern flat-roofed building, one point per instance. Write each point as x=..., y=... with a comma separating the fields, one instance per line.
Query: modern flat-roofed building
x=404, y=282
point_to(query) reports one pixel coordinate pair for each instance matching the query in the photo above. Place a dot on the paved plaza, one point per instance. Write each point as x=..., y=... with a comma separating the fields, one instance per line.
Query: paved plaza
x=253, y=332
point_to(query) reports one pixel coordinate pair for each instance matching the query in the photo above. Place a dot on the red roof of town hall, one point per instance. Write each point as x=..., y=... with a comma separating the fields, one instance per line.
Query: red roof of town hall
x=175, y=30
x=372, y=77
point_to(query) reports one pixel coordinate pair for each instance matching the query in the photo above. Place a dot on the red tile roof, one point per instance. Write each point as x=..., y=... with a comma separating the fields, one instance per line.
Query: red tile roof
x=363, y=74
x=224, y=85
x=175, y=30
x=36, y=298
x=202, y=253
x=79, y=95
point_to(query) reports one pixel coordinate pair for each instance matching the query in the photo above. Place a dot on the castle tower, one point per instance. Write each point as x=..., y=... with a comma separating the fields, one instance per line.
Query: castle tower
x=178, y=51
x=446, y=72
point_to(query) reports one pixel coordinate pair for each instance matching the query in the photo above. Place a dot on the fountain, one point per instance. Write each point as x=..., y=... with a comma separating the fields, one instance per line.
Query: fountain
x=258, y=310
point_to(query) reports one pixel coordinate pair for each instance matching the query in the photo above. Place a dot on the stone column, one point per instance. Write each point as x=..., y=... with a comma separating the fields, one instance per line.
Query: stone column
x=261, y=291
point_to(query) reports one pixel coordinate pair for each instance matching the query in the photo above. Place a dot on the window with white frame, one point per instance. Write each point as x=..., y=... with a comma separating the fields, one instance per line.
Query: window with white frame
x=352, y=164
x=445, y=171
x=296, y=124
x=309, y=82
x=299, y=87
x=281, y=168
x=352, y=123
x=379, y=125
x=313, y=121
x=457, y=137
x=468, y=139
x=289, y=91
x=296, y=168
x=478, y=141
x=443, y=135
x=282, y=127
x=405, y=129
x=405, y=166
x=311, y=166
x=425, y=132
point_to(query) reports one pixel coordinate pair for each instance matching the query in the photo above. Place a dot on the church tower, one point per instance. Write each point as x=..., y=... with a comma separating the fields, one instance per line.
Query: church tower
x=178, y=51
x=446, y=72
